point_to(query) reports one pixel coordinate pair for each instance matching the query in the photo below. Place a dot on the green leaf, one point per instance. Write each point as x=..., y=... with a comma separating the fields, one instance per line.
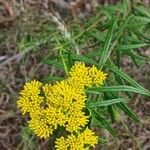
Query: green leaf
x=100, y=36
x=126, y=77
x=121, y=82
x=133, y=46
x=109, y=16
x=114, y=8
x=103, y=52
x=103, y=122
x=84, y=59
x=128, y=111
x=143, y=10
x=103, y=140
x=142, y=36
x=54, y=63
x=134, y=55
x=119, y=88
x=107, y=44
x=125, y=7
x=124, y=107
x=111, y=113
x=136, y=25
x=50, y=79
x=139, y=18
x=70, y=61
x=105, y=103
x=122, y=27
x=110, y=108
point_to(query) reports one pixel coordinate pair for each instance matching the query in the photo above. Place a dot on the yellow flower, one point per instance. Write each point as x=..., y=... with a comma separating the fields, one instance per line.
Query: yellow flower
x=82, y=76
x=39, y=124
x=30, y=100
x=88, y=137
x=62, y=104
x=63, y=95
x=77, y=141
x=74, y=143
x=76, y=121
x=67, y=104
x=59, y=104
x=79, y=76
x=61, y=144
x=97, y=76
x=55, y=116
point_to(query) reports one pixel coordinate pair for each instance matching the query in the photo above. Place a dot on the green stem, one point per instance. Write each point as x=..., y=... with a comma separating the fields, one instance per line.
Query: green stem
x=64, y=64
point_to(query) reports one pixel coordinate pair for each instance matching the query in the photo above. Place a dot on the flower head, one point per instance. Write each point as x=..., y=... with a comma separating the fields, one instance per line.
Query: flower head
x=79, y=76
x=30, y=98
x=77, y=141
x=39, y=124
x=82, y=76
x=76, y=121
x=62, y=105
x=53, y=106
x=97, y=76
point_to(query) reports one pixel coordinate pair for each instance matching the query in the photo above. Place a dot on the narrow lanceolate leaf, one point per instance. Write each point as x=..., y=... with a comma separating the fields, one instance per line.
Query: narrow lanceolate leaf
x=139, y=18
x=126, y=77
x=128, y=111
x=104, y=103
x=136, y=25
x=123, y=107
x=70, y=61
x=102, y=122
x=125, y=7
x=121, y=82
x=122, y=27
x=143, y=10
x=110, y=109
x=119, y=88
x=104, y=50
x=52, y=79
x=54, y=63
x=100, y=36
x=134, y=46
x=134, y=55
x=84, y=58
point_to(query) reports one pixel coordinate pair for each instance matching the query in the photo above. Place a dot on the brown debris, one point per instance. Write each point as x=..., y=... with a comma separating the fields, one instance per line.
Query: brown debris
x=9, y=10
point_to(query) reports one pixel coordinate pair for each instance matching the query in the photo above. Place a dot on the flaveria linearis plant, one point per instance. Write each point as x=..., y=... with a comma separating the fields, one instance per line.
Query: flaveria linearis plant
x=93, y=90
x=62, y=105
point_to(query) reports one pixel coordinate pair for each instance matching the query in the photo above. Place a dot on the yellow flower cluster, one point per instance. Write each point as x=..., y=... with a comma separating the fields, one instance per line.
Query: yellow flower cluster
x=30, y=99
x=62, y=104
x=80, y=141
x=82, y=76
